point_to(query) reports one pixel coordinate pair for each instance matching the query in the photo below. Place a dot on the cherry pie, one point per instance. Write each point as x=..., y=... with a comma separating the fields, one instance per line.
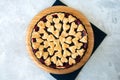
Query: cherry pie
x=59, y=40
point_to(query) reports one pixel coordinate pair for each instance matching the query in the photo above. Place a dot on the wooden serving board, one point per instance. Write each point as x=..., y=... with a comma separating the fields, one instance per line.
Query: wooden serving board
x=85, y=22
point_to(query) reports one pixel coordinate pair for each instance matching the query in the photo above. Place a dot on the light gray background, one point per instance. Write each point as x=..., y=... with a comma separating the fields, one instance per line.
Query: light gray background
x=15, y=15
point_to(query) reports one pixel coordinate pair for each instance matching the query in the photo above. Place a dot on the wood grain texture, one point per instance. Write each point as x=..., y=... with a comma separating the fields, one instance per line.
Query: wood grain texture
x=80, y=16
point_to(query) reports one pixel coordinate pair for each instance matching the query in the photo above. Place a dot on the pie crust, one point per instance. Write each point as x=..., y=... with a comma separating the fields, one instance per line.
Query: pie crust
x=60, y=39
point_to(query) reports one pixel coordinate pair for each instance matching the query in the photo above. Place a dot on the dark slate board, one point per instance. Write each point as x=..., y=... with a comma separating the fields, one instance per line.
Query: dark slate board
x=98, y=38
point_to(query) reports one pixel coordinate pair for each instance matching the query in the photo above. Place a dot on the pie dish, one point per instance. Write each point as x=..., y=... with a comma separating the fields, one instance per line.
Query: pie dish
x=60, y=39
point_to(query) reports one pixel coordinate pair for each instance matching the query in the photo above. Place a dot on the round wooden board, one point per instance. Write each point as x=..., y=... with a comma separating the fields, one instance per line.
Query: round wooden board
x=85, y=22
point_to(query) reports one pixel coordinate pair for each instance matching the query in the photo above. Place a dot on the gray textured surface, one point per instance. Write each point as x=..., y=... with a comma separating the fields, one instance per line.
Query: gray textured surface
x=15, y=16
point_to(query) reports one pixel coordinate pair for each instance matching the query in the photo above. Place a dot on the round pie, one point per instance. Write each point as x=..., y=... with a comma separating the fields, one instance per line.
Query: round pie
x=60, y=39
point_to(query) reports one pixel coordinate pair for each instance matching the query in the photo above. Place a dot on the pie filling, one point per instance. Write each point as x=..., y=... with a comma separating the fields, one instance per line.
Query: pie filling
x=59, y=40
